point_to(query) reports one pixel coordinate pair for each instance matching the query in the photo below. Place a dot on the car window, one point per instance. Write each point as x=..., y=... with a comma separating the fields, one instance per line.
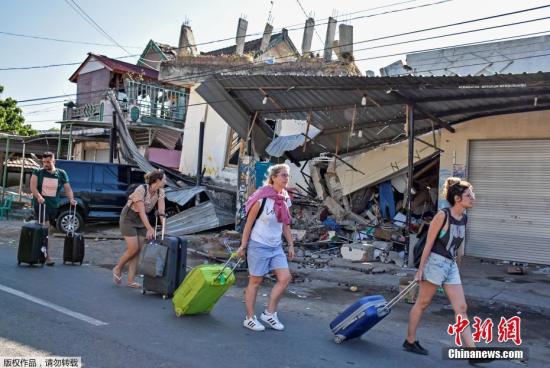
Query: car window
x=136, y=176
x=115, y=176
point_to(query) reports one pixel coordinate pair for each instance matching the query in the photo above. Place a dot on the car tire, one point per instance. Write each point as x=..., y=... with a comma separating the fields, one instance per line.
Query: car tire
x=63, y=220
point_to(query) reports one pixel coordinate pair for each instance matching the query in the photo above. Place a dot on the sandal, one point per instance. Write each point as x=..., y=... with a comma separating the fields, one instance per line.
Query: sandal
x=134, y=285
x=116, y=278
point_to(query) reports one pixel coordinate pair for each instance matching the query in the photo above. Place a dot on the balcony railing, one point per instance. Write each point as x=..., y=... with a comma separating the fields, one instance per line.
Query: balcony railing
x=155, y=104
x=142, y=103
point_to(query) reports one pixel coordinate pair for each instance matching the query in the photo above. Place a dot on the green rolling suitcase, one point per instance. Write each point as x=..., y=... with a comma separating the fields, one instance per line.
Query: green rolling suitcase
x=203, y=287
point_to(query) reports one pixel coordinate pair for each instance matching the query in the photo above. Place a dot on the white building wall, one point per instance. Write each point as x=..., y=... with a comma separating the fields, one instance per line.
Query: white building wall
x=215, y=142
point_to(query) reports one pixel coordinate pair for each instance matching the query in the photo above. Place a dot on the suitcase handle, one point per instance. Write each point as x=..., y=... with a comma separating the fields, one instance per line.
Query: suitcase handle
x=227, y=264
x=42, y=211
x=72, y=220
x=401, y=294
x=162, y=229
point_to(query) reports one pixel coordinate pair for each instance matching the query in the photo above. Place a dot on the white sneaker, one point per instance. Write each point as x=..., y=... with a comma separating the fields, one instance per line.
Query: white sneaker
x=272, y=321
x=253, y=324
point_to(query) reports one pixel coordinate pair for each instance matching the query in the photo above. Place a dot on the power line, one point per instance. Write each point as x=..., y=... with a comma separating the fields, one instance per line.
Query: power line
x=58, y=65
x=307, y=16
x=66, y=95
x=419, y=71
x=382, y=13
x=214, y=41
x=225, y=39
x=456, y=24
x=249, y=66
x=74, y=5
x=289, y=28
x=40, y=121
x=518, y=37
x=368, y=58
x=63, y=40
x=42, y=103
x=455, y=33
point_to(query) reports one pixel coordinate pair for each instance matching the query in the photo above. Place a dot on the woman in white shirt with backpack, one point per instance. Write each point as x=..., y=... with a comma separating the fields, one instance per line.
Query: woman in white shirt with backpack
x=268, y=219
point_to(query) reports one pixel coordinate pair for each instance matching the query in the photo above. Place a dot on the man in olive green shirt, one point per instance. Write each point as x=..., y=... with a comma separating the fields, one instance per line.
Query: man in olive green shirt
x=46, y=184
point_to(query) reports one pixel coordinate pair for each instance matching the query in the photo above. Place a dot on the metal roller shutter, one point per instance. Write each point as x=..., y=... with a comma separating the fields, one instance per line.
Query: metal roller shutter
x=511, y=216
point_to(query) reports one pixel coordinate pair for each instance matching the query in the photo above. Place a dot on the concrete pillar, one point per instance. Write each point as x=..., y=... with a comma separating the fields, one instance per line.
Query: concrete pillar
x=308, y=35
x=241, y=34
x=266, y=38
x=331, y=31
x=186, y=45
x=346, y=41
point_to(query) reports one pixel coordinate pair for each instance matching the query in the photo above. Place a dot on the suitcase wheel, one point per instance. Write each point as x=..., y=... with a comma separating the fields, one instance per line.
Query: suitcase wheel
x=179, y=312
x=339, y=339
x=81, y=263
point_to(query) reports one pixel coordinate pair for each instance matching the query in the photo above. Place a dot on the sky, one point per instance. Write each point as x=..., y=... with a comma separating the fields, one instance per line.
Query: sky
x=132, y=23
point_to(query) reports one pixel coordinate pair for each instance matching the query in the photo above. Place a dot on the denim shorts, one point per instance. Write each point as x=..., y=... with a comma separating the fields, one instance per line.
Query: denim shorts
x=441, y=270
x=263, y=258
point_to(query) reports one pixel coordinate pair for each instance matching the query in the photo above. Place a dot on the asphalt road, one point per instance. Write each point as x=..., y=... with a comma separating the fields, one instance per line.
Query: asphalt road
x=114, y=326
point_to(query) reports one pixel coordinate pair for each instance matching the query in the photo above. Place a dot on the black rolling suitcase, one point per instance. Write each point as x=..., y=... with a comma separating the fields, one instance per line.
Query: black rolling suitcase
x=164, y=279
x=33, y=241
x=73, y=247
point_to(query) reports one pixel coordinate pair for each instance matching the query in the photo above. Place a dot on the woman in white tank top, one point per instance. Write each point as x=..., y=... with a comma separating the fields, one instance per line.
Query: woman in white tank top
x=268, y=219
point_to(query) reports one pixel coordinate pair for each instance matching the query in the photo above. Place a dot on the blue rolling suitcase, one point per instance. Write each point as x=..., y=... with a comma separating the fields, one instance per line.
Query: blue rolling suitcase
x=363, y=315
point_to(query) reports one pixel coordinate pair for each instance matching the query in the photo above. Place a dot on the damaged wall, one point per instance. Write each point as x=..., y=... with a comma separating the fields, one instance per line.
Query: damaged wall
x=381, y=162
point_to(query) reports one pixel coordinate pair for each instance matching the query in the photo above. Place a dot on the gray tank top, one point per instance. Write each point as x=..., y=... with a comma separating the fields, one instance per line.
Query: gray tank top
x=447, y=242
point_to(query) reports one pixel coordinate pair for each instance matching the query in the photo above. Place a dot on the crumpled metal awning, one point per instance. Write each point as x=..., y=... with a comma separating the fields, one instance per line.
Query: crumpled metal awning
x=336, y=105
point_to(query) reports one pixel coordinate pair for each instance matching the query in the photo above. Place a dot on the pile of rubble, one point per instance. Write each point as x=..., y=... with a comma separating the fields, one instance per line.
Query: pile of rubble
x=365, y=227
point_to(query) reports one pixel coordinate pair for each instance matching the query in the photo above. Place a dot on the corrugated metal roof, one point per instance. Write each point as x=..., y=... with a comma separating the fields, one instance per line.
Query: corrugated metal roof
x=205, y=216
x=332, y=101
x=182, y=196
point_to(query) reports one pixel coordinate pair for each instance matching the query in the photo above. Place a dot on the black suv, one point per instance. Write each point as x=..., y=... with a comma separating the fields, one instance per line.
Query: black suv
x=99, y=188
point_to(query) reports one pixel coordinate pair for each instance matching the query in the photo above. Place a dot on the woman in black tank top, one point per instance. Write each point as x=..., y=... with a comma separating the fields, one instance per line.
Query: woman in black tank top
x=438, y=264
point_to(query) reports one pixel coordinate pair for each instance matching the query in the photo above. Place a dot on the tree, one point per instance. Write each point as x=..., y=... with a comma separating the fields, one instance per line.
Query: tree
x=11, y=118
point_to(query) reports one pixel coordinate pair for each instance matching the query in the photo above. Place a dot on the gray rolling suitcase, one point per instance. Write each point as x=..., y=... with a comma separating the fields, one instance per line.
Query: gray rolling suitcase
x=164, y=279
